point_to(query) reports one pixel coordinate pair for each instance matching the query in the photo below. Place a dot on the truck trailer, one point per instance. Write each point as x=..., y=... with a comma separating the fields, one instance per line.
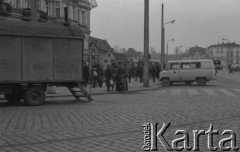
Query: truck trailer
x=36, y=55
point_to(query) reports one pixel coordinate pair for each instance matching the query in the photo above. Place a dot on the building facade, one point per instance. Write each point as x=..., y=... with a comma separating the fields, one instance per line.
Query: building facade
x=100, y=52
x=195, y=53
x=51, y=11
x=227, y=53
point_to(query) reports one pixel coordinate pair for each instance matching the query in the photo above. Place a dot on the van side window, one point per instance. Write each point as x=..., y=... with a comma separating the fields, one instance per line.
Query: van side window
x=185, y=65
x=196, y=65
x=174, y=66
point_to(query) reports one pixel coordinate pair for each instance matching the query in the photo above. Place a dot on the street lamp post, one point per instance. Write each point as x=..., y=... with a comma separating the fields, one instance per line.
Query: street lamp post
x=163, y=37
x=146, y=44
x=172, y=40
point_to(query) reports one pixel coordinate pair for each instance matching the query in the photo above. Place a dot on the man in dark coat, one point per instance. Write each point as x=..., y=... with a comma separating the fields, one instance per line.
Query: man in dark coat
x=85, y=74
x=140, y=73
x=153, y=72
x=108, y=76
x=122, y=77
x=115, y=74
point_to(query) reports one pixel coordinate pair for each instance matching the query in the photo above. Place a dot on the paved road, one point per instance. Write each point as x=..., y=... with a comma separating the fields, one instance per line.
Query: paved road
x=114, y=121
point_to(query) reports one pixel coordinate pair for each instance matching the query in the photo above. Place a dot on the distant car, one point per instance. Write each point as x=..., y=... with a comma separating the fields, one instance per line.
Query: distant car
x=188, y=71
x=236, y=67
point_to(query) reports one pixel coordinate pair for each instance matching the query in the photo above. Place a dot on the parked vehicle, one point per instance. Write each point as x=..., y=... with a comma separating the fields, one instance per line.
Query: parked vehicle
x=236, y=67
x=188, y=71
x=36, y=55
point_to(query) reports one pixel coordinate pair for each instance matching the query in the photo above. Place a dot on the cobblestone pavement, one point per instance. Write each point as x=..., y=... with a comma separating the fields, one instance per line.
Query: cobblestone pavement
x=114, y=121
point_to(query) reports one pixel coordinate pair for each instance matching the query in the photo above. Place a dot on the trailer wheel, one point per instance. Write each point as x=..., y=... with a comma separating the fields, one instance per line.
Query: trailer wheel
x=34, y=96
x=16, y=96
x=13, y=98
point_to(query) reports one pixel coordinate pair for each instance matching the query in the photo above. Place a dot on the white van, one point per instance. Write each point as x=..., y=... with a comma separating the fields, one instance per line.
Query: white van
x=188, y=71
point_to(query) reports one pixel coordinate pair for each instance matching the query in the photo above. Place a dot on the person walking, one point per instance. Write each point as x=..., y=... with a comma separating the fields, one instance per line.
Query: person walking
x=100, y=76
x=153, y=73
x=115, y=74
x=94, y=77
x=85, y=74
x=122, y=77
x=108, y=76
x=140, y=73
x=230, y=69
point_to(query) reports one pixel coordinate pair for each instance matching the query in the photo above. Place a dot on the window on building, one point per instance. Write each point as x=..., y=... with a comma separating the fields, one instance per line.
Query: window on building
x=28, y=4
x=83, y=17
x=237, y=53
x=57, y=9
x=74, y=14
x=78, y=16
x=47, y=7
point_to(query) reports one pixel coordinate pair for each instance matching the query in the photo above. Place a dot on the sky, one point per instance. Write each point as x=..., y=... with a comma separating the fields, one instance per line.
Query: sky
x=198, y=22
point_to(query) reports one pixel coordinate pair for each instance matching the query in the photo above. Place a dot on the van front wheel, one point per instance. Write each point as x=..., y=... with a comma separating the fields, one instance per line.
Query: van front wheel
x=201, y=81
x=166, y=82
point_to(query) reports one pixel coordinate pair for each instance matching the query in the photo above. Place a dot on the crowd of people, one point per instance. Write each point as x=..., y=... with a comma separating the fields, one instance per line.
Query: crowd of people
x=118, y=74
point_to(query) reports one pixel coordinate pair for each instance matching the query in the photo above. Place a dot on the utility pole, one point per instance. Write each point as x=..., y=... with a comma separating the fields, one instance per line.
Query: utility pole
x=162, y=40
x=146, y=44
x=34, y=10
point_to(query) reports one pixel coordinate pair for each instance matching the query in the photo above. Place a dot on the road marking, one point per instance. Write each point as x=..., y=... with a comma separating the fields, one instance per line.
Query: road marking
x=226, y=92
x=176, y=92
x=209, y=92
x=193, y=92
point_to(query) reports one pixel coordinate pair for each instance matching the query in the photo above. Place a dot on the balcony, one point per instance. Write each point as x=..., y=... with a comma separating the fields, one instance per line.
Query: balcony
x=26, y=14
x=62, y=19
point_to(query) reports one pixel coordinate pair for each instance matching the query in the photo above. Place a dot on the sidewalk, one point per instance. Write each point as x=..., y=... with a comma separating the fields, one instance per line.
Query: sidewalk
x=225, y=74
x=132, y=87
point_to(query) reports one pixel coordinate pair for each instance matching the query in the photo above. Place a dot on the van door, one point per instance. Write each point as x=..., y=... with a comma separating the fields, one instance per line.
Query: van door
x=186, y=72
x=174, y=71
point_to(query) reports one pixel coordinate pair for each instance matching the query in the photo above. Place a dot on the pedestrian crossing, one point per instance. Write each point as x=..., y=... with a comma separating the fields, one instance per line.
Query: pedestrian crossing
x=197, y=91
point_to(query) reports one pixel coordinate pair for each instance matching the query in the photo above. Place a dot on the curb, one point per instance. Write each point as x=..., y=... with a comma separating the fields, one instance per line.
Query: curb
x=114, y=92
x=126, y=92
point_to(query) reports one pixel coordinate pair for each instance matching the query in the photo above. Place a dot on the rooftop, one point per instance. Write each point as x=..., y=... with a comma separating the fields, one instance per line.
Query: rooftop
x=225, y=45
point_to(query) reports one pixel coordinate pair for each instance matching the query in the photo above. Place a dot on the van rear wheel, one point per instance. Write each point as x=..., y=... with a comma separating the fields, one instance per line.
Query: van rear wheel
x=201, y=81
x=166, y=82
